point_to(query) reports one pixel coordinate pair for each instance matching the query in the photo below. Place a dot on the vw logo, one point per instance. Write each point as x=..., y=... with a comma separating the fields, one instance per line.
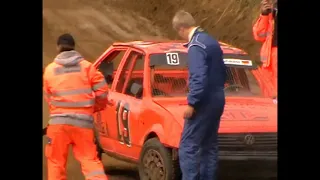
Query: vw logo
x=249, y=139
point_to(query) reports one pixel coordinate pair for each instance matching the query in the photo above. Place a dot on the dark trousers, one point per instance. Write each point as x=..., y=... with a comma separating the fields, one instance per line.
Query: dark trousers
x=198, y=151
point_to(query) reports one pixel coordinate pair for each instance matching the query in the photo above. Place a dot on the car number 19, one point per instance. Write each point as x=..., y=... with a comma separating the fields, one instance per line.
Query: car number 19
x=172, y=59
x=122, y=117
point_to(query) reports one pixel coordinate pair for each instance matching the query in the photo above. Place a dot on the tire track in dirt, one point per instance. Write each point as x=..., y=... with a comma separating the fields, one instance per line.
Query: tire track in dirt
x=93, y=28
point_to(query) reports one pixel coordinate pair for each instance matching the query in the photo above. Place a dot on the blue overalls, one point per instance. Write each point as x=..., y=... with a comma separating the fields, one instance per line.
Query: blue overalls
x=198, y=151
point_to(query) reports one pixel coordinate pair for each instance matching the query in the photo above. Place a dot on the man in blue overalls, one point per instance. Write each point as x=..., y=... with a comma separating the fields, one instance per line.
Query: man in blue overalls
x=198, y=151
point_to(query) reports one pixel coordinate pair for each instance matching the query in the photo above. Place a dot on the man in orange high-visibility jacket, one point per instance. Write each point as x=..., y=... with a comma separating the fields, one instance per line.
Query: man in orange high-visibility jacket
x=74, y=90
x=265, y=30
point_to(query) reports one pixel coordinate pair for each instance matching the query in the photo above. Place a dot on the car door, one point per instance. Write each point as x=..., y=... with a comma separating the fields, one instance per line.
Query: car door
x=124, y=108
x=102, y=118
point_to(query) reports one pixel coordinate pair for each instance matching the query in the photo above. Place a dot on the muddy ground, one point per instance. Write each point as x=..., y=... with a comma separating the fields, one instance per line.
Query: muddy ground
x=96, y=24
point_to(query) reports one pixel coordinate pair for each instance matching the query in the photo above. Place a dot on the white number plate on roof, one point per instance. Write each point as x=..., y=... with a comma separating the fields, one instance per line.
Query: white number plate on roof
x=239, y=62
x=172, y=59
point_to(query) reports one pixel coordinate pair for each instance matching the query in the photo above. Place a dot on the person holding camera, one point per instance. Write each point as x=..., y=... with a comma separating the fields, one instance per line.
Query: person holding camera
x=265, y=31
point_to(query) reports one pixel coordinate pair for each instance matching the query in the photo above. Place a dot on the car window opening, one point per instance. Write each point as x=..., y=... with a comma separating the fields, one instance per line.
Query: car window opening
x=171, y=80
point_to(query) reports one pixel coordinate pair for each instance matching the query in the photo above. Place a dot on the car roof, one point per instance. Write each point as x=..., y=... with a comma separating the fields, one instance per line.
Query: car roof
x=152, y=47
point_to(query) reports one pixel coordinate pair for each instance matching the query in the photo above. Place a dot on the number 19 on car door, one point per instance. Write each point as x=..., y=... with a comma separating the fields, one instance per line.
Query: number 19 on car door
x=122, y=116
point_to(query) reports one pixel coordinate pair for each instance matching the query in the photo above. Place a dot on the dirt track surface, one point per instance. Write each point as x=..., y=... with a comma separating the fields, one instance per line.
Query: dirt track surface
x=96, y=24
x=93, y=28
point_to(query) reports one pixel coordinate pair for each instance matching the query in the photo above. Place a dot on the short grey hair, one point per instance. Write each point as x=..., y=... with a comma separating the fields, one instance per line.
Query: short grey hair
x=183, y=19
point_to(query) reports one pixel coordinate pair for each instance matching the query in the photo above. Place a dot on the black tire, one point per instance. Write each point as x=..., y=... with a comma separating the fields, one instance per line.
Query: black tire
x=97, y=142
x=156, y=162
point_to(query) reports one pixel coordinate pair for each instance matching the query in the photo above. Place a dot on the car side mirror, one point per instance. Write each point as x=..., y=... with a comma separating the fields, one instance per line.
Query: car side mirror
x=136, y=90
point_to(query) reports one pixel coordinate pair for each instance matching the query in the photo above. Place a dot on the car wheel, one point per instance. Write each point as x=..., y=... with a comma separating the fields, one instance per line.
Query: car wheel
x=98, y=147
x=156, y=162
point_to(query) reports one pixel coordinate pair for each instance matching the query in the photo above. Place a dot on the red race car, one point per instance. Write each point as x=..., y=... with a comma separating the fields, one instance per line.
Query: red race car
x=144, y=116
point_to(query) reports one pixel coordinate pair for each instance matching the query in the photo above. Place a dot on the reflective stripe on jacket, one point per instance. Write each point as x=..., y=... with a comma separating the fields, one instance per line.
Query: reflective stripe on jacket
x=72, y=86
x=263, y=31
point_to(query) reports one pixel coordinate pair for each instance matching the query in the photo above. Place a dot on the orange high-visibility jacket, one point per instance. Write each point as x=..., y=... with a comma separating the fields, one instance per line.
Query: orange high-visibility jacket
x=263, y=32
x=73, y=88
